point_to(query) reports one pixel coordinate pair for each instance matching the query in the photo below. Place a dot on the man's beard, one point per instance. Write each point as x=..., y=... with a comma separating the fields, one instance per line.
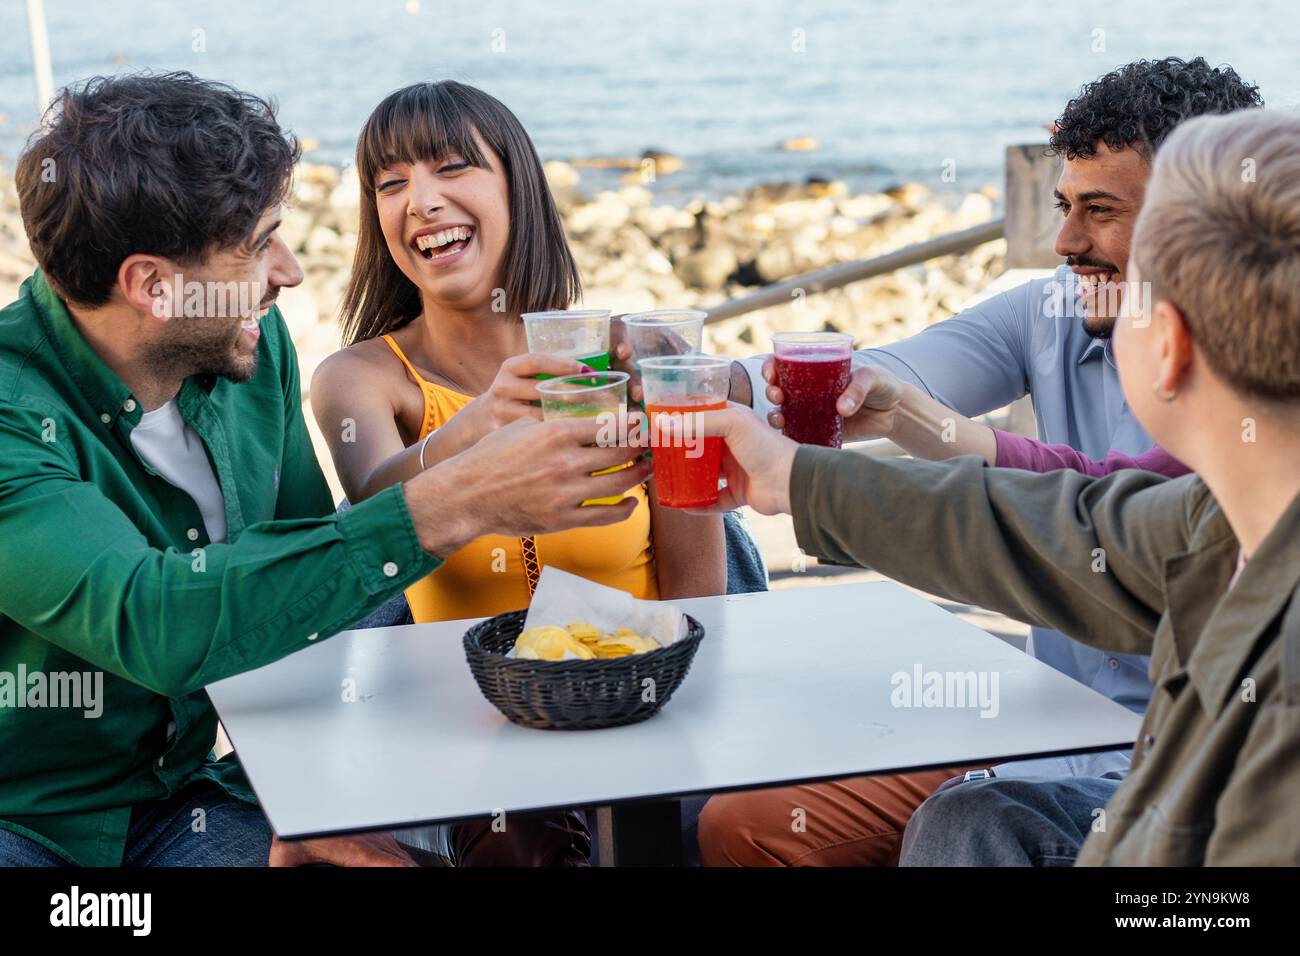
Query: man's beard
x=1099, y=327
x=194, y=346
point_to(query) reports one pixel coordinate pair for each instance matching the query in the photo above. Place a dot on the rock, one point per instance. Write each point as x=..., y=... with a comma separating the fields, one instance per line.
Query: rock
x=775, y=263
x=618, y=300
x=607, y=211
x=560, y=175
x=842, y=226
x=908, y=194
x=345, y=202
x=975, y=208
x=651, y=161
x=867, y=208
x=295, y=226
x=825, y=188
x=794, y=256
x=14, y=266
x=654, y=221
x=657, y=263
x=321, y=241
x=800, y=212
x=708, y=268
x=300, y=311
x=799, y=144
x=318, y=174
x=665, y=164
x=636, y=197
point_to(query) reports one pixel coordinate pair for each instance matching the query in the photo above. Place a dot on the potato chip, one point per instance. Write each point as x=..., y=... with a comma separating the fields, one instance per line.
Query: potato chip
x=584, y=631
x=640, y=644
x=546, y=643
x=609, y=647
x=581, y=639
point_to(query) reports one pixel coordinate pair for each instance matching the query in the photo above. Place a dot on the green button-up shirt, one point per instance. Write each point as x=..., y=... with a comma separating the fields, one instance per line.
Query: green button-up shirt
x=106, y=575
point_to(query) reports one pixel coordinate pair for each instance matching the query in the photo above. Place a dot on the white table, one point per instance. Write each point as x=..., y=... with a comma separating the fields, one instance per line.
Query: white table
x=788, y=686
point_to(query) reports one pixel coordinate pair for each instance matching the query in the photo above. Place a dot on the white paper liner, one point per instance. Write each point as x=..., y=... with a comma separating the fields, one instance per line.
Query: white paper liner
x=562, y=598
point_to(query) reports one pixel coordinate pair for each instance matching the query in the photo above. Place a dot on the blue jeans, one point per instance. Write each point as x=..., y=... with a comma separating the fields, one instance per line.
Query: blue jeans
x=229, y=832
x=1007, y=821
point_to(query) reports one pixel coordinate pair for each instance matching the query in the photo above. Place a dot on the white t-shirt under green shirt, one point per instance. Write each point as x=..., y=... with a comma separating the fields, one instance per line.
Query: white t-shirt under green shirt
x=173, y=449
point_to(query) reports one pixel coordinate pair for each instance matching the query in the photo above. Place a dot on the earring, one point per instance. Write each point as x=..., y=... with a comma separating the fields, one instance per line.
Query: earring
x=1162, y=394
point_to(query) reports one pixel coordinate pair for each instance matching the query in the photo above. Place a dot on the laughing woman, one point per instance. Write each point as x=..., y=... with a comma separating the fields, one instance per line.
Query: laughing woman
x=459, y=237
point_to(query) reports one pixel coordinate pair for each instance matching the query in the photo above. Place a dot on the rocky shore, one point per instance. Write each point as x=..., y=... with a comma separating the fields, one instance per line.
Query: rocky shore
x=637, y=254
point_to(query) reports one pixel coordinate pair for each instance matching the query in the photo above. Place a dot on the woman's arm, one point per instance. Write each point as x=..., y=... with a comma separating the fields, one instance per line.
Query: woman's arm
x=1016, y=451
x=690, y=551
x=354, y=402
x=926, y=428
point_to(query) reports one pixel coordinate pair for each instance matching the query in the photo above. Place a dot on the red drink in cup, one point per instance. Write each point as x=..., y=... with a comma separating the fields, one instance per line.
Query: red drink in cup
x=684, y=480
x=687, y=465
x=812, y=371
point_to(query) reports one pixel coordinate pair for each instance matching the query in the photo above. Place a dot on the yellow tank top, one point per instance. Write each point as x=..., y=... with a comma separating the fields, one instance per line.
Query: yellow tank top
x=494, y=573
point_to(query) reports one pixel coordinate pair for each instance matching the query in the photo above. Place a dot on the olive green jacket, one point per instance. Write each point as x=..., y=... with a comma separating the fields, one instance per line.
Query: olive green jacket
x=1133, y=563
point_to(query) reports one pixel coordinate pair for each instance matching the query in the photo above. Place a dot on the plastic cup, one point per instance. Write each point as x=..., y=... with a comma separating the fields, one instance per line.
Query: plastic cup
x=664, y=332
x=576, y=333
x=687, y=464
x=586, y=396
x=812, y=371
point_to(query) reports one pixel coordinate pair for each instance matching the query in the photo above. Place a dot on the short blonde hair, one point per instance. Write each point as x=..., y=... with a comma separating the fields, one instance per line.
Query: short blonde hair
x=1219, y=237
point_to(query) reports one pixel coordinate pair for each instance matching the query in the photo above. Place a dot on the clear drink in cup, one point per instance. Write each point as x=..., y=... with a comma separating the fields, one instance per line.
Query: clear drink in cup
x=580, y=334
x=812, y=371
x=586, y=396
x=664, y=332
x=687, y=465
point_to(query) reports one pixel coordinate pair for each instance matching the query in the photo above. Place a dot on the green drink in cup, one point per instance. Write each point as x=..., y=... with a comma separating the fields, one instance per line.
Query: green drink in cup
x=579, y=334
x=586, y=396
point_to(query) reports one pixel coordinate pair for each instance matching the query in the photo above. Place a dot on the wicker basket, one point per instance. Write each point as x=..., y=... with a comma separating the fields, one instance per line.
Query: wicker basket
x=573, y=694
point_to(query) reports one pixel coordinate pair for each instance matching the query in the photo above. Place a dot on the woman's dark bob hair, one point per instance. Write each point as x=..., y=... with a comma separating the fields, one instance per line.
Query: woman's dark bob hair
x=425, y=122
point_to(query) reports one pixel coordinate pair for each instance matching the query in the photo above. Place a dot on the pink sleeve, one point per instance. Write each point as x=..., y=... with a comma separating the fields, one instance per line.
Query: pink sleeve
x=1016, y=451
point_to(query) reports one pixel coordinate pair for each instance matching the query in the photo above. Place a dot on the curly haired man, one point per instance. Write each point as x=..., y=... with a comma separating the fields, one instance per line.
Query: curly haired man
x=1049, y=338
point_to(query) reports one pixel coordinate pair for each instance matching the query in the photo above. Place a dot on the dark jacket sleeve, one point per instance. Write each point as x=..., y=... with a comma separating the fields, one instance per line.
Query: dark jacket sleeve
x=1081, y=555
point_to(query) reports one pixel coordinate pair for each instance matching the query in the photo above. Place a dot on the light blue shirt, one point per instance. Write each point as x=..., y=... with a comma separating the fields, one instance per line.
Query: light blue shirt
x=1030, y=340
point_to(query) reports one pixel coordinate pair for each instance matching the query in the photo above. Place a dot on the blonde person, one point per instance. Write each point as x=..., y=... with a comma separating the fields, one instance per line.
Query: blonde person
x=436, y=359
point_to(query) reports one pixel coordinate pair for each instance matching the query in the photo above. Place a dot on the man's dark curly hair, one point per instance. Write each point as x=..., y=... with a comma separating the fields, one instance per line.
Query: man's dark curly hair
x=166, y=164
x=1139, y=104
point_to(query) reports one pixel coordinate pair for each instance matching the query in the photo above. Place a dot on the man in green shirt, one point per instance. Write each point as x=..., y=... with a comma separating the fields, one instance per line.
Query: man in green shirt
x=163, y=519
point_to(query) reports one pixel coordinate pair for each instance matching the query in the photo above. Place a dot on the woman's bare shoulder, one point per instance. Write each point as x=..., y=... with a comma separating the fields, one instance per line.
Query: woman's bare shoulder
x=367, y=368
x=371, y=359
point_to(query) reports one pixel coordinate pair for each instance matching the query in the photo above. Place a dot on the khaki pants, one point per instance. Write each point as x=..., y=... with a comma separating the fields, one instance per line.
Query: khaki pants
x=857, y=821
